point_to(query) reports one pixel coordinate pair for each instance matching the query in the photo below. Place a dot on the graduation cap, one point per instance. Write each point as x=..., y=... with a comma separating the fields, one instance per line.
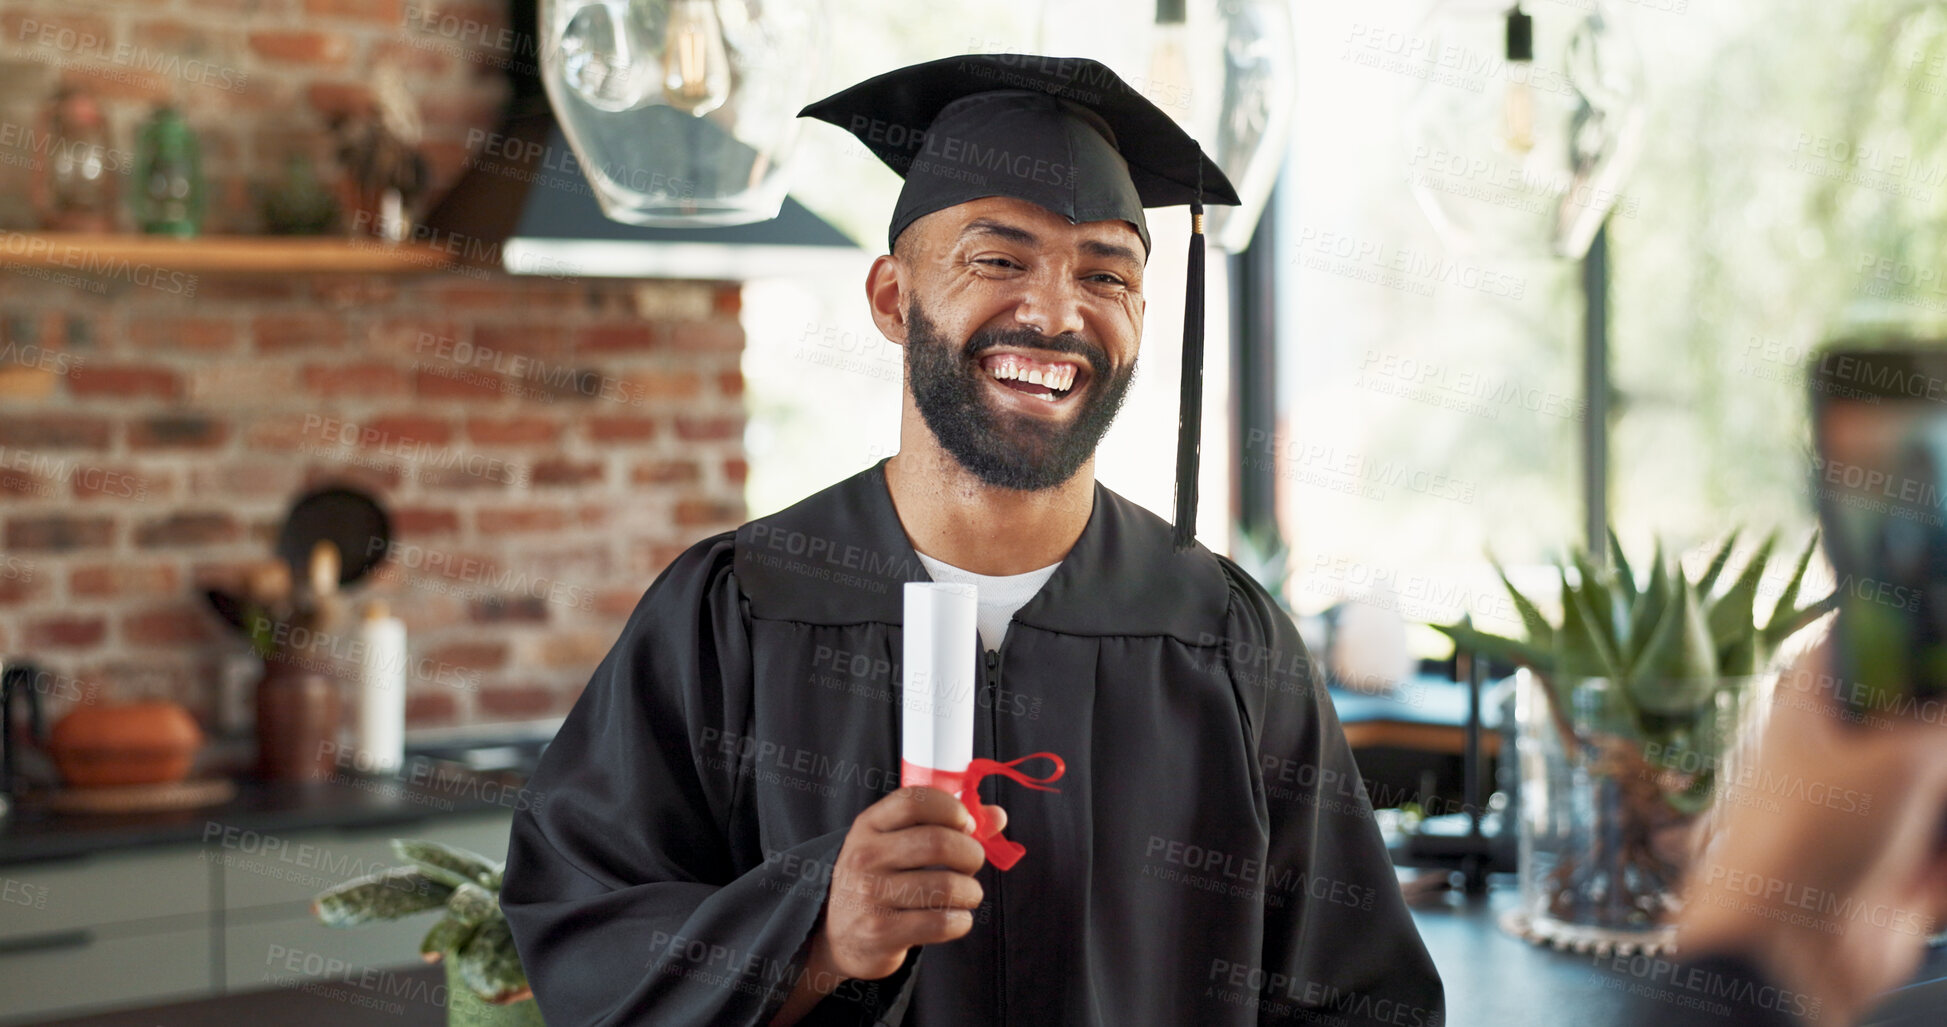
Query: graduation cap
x=1067, y=134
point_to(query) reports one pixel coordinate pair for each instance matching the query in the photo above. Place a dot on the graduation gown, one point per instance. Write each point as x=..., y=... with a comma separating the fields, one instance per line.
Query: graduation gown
x=1210, y=857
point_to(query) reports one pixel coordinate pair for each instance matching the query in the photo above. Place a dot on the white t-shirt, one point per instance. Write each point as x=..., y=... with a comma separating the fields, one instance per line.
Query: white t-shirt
x=1000, y=594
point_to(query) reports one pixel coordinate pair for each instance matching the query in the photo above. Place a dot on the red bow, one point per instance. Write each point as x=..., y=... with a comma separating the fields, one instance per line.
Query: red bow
x=966, y=784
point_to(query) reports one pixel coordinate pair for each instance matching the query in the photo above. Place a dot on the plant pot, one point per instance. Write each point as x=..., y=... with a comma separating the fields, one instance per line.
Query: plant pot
x=298, y=710
x=466, y=1009
x=1612, y=808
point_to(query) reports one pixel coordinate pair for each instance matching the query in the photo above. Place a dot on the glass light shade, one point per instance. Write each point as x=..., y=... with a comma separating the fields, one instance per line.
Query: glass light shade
x=1522, y=158
x=1227, y=73
x=682, y=112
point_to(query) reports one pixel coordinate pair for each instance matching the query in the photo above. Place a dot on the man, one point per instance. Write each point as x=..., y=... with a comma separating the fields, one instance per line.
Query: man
x=724, y=841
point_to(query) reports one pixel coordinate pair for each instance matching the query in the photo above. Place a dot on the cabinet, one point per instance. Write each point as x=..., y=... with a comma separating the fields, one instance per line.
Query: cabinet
x=186, y=921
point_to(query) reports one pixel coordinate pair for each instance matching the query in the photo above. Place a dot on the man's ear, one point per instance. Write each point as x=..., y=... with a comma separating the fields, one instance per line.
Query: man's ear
x=885, y=291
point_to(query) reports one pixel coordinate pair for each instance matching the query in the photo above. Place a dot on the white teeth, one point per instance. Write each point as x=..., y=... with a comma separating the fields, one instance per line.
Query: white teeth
x=1060, y=377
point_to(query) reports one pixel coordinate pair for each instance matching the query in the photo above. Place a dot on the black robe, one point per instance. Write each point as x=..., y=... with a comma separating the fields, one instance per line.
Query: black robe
x=1209, y=859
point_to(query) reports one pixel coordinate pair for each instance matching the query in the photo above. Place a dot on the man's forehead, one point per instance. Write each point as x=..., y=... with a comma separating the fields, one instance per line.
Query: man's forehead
x=1026, y=222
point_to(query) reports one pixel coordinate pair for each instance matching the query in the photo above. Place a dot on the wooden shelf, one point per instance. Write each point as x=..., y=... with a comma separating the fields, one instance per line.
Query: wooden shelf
x=88, y=253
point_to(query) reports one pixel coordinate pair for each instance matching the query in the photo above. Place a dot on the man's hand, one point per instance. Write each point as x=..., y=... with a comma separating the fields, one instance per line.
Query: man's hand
x=1835, y=880
x=903, y=877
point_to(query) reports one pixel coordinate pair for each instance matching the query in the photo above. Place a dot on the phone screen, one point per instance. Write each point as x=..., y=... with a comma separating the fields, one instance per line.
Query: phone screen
x=1880, y=477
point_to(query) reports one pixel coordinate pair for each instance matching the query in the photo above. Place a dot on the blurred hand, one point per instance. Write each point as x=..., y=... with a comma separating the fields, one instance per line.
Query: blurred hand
x=1832, y=875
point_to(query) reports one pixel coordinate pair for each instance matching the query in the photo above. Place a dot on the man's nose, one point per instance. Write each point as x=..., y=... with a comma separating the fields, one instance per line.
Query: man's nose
x=1051, y=304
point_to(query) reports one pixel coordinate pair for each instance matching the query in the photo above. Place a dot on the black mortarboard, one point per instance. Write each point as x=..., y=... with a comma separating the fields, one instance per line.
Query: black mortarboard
x=1065, y=133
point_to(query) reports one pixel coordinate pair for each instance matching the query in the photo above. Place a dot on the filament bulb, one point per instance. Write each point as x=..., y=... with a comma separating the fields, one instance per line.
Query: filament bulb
x=696, y=69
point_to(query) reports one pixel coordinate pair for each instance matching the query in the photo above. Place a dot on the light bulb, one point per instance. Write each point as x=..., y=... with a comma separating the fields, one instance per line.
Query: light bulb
x=1518, y=105
x=1169, y=62
x=696, y=69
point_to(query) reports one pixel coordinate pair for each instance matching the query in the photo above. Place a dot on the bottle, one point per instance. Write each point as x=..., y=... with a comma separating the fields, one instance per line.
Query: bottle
x=168, y=176
x=76, y=188
x=381, y=692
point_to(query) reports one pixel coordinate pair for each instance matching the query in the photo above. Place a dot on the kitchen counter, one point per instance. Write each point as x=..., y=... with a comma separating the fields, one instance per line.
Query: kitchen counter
x=437, y=780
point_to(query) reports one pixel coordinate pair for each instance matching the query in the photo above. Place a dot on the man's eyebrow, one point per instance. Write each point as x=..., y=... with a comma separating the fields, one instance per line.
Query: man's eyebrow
x=1012, y=233
x=1112, y=251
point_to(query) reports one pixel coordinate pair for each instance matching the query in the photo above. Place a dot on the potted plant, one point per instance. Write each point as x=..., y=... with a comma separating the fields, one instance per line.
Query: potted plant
x=485, y=986
x=1625, y=709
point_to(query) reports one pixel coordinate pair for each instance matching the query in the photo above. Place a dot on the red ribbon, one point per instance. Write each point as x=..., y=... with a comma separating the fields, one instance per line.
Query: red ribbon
x=966, y=784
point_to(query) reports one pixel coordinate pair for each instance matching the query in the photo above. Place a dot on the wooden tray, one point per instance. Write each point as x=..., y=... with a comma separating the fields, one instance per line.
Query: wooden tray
x=191, y=794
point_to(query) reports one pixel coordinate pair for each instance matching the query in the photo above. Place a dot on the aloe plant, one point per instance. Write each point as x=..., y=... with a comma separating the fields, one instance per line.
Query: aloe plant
x=473, y=933
x=1668, y=646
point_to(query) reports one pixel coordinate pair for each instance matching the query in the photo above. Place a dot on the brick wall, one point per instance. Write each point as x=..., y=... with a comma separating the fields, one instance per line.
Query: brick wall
x=545, y=445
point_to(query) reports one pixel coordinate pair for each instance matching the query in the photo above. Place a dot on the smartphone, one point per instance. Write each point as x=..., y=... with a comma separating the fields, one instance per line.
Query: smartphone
x=1879, y=418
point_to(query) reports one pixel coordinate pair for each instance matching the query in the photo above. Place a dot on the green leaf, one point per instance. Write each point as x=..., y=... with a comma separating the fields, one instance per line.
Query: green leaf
x=1717, y=562
x=1650, y=604
x=446, y=938
x=387, y=895
x=489, y=964
x=1590, y=601
x=1678, y=672
x=1497, y=647
x=1625, y=577
x=444, y=862
x=1540, y=632
x=472, y=904
x=1786, y=618
x=1733, y=614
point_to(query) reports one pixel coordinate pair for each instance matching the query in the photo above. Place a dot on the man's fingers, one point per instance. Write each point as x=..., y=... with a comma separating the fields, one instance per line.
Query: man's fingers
x=926, y=889
x=996, y=820
x=927, y=845
x=916, y=805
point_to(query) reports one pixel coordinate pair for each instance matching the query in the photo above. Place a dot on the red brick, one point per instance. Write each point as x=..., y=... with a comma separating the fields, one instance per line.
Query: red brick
x=718, y=335
x=663, y=385
x=60, y=36
x=246, y=478
x=183, y=334
x=336, y=98
x=522, y=339
x=389, y=13
x=413, y=57
x=168, y=625
x=250, y=288
x=625, y=338
x=697, y=512
x=109, y=81
x=69, y=631
x=510, y=520
x=730, y=383
x=54, y=431
x=116, y=580
x=419, y=521
x=562, y=471
x=22, y=485
x=617, y=602
x=431, y=707
x=459, y=383
x=210, y=42
x=134, y=485
x=359, y=379
x=294, y=432
x=729, y=300
x=226, y=384
x=323, y=49
x=59, y=533
x=513, y=431
x=525, y=702
x=665, y=472
x=709, y=429
x=19, y=383
x=508, y=610
x=177, y=431
x=283, y=332
x=648, y=559
x=621, y=429
x=735, y=469
x=127, y=382
x=188, y=529
x=574, y=649
x=21, y=582
x=355, y=291
x=405, y=428
x=470, y=655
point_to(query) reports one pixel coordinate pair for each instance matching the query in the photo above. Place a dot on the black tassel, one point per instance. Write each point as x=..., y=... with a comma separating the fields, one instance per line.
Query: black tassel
x=1189, y=427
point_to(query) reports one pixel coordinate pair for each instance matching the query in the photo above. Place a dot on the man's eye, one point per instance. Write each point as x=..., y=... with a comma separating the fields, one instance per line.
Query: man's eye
x=997, y=262
x=1106, y=279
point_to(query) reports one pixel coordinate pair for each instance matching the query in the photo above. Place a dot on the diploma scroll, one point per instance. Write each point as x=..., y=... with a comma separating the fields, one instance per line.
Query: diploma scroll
x=940, y=670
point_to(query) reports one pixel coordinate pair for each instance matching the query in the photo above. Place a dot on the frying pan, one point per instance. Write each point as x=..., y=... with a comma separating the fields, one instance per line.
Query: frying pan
x=346, y=517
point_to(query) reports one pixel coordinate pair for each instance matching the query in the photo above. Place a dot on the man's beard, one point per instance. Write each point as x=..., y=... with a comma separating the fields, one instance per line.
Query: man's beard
x=1007, y=450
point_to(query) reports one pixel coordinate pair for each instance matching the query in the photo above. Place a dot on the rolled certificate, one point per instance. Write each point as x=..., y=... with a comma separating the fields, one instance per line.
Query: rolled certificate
x=936, y=730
